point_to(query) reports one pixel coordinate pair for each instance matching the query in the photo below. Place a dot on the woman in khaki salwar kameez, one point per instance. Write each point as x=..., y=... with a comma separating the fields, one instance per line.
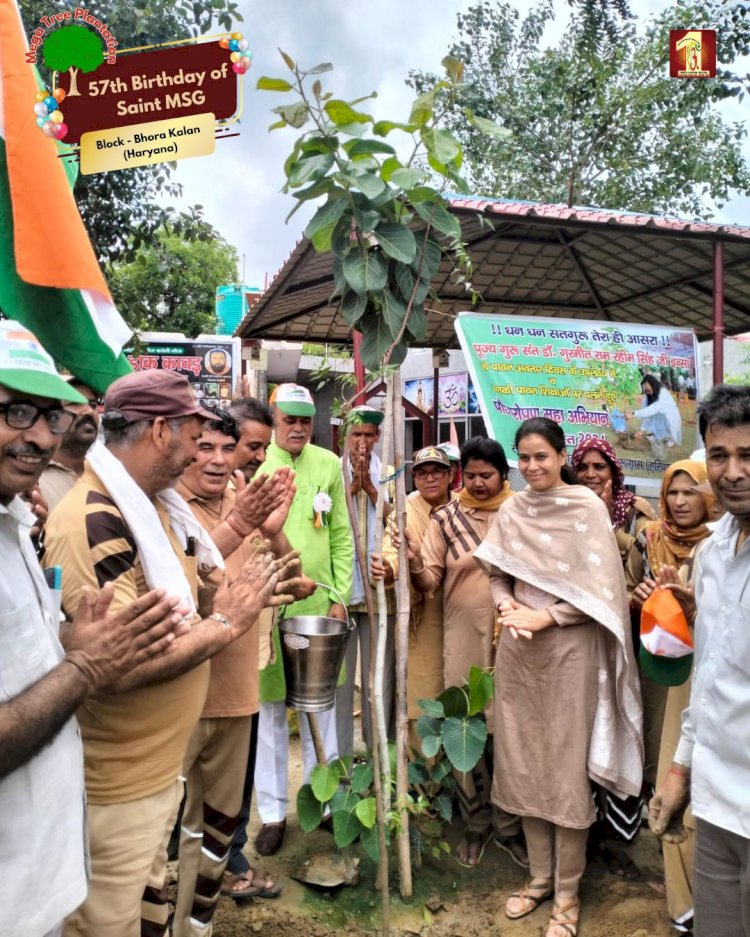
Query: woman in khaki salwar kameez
x=446, y=558
x=567, y=707
x=431, y=472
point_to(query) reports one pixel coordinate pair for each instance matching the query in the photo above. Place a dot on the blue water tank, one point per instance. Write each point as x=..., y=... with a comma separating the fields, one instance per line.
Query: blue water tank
x=231, y=306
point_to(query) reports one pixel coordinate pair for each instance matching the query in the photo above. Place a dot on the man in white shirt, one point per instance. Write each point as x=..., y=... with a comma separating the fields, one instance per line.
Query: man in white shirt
x=713, y=756
x=42, y=684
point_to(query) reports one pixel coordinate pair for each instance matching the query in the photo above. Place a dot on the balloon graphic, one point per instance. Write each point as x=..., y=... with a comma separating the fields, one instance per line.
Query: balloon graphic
x=56, y=117
x=40, y=109
x=50, y=129
x=236, y=35
x=243, y=45
x=246, y=61
x=60, y=130
x=41, y=95
x=224, y=43
x=59, y=95
x=234, y=45
x=239, y=69
x=235, y=57
x=51, y=103
x=41, y=121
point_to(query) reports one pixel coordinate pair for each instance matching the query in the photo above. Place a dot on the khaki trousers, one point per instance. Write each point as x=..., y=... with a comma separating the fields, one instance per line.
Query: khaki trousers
x=214, y=770
x=127, y=895
x=556, y=852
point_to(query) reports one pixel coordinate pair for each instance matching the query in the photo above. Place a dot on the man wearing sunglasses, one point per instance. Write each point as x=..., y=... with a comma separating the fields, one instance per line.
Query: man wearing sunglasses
x=41, y=684
x=67, y=466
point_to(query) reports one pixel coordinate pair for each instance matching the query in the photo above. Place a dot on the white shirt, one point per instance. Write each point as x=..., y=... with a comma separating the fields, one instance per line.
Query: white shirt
x=42, y=833
x=716, y=726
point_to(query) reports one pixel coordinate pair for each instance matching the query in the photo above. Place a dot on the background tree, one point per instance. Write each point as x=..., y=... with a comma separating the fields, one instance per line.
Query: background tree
x=71, y=48
x=595, y=119
x=119, y=208
x=171, y=283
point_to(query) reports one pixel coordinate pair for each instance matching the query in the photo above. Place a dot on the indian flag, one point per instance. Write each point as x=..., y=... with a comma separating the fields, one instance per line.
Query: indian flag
x=49, y=276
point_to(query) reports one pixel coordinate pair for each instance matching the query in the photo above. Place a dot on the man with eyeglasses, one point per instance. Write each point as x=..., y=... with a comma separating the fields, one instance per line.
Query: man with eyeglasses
x=67, y=466
x=41, y=684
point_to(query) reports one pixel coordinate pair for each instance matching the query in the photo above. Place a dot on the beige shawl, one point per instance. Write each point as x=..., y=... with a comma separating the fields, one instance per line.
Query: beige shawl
x=561, y=541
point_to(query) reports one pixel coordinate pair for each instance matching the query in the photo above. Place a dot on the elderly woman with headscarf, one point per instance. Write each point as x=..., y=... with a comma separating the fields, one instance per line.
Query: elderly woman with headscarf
x=596, y=465
x=671, y=544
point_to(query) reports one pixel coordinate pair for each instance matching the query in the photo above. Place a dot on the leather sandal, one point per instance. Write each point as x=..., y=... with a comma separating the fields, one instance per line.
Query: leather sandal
x=532, y=894
x=270, y=838
x=562, y=918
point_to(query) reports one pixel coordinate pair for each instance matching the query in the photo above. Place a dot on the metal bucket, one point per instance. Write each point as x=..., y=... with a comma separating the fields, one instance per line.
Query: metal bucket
x=313, y=648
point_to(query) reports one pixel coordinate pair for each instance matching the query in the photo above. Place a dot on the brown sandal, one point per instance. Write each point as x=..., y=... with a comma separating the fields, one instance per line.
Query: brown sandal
x=543, y=893
x=562, y=918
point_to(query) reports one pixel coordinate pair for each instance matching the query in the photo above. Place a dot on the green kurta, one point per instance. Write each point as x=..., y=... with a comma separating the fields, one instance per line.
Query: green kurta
x=327, y=553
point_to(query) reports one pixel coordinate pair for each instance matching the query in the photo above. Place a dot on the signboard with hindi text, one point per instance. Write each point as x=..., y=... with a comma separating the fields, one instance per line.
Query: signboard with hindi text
x=592, y=378
x=210, y=363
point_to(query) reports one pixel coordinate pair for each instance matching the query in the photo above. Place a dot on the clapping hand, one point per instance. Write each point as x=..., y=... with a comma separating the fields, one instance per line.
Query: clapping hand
x=257, y=500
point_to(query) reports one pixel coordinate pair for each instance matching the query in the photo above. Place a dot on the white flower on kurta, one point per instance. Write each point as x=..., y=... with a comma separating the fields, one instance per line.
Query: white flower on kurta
x=562, y=502
x=532, y=512
x=545, y=538
x=516, y=545
x=563, y=567
x=595, y=559
x=608, y=593
x=504, y=519
x=322, y=502
x=581, y=528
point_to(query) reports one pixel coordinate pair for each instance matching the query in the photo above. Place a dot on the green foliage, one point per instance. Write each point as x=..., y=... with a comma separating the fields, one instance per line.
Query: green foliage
x=120, y=209
x=171, y=283
x=595, y=118
x=453, y=733
x=72, y=46
x=386, y=229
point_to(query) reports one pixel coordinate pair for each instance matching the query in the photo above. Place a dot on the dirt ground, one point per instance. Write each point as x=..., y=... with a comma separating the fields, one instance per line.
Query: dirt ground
x=448, y=901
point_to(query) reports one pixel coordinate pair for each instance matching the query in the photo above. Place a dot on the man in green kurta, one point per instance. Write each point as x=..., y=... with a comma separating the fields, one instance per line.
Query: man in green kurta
x=318, y=526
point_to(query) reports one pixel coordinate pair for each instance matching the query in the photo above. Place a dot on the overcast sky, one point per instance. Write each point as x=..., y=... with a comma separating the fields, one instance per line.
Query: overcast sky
x=372, y=46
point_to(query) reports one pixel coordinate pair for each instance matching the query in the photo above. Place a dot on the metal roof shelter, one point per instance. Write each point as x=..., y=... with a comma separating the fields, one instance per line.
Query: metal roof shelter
x=546, y=260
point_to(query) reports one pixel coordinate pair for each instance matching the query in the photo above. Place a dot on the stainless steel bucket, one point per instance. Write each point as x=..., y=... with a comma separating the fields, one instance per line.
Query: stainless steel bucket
x=313, y=648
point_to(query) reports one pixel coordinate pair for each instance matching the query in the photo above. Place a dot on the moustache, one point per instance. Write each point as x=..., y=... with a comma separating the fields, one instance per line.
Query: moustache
x=30, y=449
x=84, y=420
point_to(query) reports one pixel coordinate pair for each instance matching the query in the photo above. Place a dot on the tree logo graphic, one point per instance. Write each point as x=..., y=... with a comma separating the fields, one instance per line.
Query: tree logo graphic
x=72, y=48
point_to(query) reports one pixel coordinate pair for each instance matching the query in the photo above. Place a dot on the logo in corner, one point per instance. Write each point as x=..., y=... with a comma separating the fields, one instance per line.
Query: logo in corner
x=692, y=53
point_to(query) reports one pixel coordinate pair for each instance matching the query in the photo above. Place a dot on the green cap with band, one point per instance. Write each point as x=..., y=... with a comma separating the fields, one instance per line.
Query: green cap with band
x=26, y=367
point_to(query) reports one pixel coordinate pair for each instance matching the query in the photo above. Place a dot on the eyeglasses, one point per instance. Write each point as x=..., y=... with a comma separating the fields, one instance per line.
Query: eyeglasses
x=22, y=414
x=429, y=473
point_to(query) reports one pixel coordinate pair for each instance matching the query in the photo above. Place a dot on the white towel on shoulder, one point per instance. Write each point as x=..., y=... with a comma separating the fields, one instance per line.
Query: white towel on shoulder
x=161, y=567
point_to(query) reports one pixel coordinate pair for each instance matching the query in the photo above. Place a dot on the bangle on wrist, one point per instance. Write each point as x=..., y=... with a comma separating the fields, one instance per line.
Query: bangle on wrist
x=416, y=572
x=223, y=620
x=236, y=527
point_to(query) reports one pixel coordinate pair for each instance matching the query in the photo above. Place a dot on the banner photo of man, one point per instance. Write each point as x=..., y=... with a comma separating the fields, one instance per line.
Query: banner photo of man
x=633, y=385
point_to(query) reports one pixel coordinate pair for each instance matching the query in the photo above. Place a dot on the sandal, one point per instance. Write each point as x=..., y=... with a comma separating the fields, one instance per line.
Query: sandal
x=470, y=840
x=247, y=889
x=532, y=901
x=562, y=918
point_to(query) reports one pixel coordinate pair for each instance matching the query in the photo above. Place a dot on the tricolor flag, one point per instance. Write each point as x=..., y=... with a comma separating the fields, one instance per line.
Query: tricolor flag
x=49, y=276
x=666, y=653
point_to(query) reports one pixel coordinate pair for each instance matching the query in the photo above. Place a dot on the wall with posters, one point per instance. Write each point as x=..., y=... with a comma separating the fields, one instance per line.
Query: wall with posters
x=587, y=376
x=210, y=363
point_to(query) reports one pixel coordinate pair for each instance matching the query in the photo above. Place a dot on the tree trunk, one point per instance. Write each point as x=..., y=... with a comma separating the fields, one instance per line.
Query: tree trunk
x=73, y=92
x=382, y=880
x=402, y=646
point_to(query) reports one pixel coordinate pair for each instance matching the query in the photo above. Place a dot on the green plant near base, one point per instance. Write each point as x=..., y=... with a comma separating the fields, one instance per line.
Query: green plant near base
x=454, y=734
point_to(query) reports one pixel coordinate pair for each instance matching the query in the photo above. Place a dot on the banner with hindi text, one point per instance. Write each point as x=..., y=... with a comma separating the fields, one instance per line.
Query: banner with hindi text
x=588, y=377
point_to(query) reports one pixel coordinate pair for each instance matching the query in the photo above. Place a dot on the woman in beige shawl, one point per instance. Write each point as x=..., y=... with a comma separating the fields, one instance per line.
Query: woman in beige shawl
x=567, y=707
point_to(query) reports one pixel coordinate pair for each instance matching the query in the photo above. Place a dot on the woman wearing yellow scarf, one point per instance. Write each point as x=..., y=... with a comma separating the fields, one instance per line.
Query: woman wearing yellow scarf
x=446, y=558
